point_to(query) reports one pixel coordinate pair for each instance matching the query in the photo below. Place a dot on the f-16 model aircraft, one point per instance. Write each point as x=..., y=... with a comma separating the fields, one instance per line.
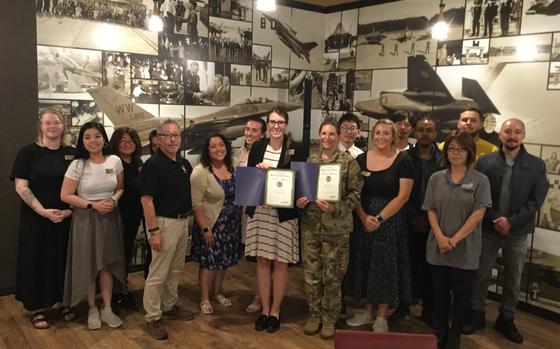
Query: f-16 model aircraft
x=427, y=95
x=229, y=121
x=288, y=36
x=551, y=9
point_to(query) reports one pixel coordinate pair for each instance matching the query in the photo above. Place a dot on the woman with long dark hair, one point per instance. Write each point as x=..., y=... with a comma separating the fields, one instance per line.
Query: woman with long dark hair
x=44, y=222
x=93, y=185
x=216, y=235
x=125, y=143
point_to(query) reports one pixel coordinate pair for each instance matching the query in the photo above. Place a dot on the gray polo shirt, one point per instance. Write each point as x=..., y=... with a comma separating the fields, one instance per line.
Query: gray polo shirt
x=454, y=203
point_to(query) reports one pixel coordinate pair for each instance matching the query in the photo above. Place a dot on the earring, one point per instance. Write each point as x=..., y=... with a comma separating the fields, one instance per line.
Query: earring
x=105, y=145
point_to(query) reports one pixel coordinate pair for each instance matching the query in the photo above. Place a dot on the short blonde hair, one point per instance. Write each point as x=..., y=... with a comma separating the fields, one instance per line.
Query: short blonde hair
x=56, y=112
x=393, y=129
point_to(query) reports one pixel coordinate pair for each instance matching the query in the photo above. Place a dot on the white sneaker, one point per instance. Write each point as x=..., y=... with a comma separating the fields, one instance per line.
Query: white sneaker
x=380, y=325
x=93, y=320
x=360, y=319
x=110, y=318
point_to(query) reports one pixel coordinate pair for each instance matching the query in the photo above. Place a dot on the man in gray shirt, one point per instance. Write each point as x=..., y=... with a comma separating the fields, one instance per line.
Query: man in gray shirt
x=519, y=185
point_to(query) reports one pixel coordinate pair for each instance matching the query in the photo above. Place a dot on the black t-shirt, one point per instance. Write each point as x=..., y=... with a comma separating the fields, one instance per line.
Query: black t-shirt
x=168, y=182
x=130, y=200
x=385, y=183
x=44, y=169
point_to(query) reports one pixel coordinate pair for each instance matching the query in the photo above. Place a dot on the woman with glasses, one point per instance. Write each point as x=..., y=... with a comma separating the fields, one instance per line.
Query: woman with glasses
x=216, y=235
x=93, y=185
x=272, y=234
x=38, y=171
x=378, y=271
x=456, y=200
x=125, y=143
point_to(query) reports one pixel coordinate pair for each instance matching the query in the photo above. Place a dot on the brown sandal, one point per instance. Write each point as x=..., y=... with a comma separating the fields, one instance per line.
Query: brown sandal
x=40, y=321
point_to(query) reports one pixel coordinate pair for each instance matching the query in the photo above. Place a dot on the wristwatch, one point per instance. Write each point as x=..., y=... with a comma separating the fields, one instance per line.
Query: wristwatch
x=205, y=230
x=89, y=205
x=115, y=201
x=380, y=218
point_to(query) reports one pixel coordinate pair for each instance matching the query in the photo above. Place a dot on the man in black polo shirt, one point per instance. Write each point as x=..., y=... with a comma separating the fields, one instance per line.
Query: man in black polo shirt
x=166, y=199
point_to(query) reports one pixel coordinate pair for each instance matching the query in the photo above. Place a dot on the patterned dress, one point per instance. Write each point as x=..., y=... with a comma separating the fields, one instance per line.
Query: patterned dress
x=225, y=251
x=379, y=271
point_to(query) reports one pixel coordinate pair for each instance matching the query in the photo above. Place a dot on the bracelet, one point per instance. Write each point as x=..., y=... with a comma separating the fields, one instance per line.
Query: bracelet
x=153, y=229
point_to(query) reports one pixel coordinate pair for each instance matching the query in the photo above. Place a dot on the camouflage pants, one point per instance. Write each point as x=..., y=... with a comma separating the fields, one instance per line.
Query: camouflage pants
x=325, y=260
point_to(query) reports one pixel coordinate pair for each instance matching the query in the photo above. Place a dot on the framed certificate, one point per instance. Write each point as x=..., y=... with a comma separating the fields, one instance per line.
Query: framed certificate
x=328, y=182
x=279, y=189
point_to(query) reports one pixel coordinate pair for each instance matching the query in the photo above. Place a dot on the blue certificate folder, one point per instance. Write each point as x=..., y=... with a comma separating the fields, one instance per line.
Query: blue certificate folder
x=307, y=177
x=249, y=186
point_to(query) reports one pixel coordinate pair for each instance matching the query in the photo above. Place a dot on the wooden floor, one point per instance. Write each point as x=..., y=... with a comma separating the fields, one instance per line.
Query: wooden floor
x=232, y=328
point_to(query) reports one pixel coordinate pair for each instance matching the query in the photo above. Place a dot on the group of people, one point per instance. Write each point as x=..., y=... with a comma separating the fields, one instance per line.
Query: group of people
x=422, y=221
x=489, y=10
x=104, y=11
x=152, y=68
x=226, y=49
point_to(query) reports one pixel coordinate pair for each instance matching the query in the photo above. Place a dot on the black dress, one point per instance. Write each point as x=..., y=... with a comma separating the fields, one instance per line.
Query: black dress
x=42, y=244
x=378, y=269
x=130, y=207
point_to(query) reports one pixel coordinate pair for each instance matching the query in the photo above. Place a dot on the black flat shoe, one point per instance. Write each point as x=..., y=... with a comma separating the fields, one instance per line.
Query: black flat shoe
x=261, y=323
x=273, y=324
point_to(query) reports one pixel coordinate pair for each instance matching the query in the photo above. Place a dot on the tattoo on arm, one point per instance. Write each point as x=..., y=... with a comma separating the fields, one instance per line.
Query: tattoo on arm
x=29, y=198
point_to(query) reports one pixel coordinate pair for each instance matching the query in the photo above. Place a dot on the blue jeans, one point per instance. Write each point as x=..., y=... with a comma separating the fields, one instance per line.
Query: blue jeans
x=514, y=251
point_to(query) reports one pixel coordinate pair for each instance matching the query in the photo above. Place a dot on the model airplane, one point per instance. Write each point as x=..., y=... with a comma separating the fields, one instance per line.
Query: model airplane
x=229, y=121
x=551, y=9
x=427, y=95
x=288, y=36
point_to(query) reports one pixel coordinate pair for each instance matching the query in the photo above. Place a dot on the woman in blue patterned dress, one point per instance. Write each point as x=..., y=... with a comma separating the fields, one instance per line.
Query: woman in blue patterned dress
x=216, y=235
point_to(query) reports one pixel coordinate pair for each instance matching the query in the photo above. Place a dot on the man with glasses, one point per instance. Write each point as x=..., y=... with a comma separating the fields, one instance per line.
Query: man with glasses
x=349, y=130
x=519, y=185
x=166, y=200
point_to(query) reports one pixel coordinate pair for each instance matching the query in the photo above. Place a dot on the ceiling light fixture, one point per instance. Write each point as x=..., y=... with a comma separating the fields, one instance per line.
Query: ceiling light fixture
x=440, y=29
x=266, y=5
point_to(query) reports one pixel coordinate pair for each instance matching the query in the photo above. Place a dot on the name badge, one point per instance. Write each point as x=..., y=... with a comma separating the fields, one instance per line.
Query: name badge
x=68, y=157
x=109, y=171
x=468, y=187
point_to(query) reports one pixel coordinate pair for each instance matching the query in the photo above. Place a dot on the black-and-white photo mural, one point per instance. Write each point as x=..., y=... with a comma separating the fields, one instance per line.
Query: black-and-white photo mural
x=67, y=73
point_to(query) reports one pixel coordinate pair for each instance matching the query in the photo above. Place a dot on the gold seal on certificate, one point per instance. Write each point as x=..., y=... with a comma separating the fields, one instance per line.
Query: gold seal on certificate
x=328, y=187
x=280, y=186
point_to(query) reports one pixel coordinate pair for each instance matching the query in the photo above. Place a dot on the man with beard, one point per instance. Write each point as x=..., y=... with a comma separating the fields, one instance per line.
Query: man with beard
x=519, y=185
x=471, y=122
x=427, y=160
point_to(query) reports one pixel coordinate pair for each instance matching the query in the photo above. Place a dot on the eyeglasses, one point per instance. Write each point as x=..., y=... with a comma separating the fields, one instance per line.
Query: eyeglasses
x=169, y=135
x=126, y=142
x=349, y=128
x=456, y=149
x=276, y=123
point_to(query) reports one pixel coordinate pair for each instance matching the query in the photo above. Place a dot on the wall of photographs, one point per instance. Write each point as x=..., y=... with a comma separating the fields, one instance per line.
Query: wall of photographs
x=213, y=54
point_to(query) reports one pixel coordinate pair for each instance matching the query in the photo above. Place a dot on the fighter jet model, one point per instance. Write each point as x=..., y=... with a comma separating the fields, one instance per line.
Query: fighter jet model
x=427, y=95
x=288, y=36
x=551, y=9
x=229, y=121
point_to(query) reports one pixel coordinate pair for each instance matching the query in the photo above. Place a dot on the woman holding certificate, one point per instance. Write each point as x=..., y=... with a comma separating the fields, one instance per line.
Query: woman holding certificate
x=326, y=227
x=378, y=270
x=272, y=233
x=216, y=234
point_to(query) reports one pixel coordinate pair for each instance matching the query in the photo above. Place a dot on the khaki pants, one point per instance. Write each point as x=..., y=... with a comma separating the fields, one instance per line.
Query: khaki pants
x=160, y=290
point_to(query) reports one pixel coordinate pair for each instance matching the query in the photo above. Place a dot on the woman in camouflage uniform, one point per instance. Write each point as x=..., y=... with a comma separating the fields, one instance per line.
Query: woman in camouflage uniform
x=326, y=228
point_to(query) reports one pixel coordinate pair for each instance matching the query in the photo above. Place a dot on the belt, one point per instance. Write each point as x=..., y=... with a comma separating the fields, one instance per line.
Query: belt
x=177, y=216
